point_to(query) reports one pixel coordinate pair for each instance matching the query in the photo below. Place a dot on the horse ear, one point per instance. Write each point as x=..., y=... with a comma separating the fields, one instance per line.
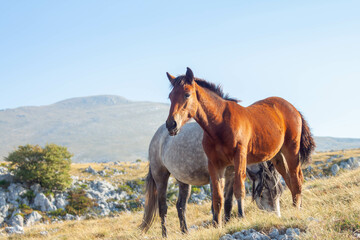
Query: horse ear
x=251, y=175
x=189, y=76
x=171, y=78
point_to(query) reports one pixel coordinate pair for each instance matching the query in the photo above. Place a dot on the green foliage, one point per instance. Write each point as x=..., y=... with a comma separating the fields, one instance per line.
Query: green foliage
x=30, y=195
x=48, y=166
x=195, y=189
x=125, y=188
x=138, y=160
x=134, y=204
x=58, y=212
x=4, y=184
x=79, y=203
x=25, y=209
x=24, y=206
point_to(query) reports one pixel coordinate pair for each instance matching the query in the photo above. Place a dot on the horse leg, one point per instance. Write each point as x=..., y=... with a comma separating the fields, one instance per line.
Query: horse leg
x=161, y=181
x=229, y=192
x=239, y=181
x=295, y=174
x=279, y=162
x=217, y=180
x=184, y=194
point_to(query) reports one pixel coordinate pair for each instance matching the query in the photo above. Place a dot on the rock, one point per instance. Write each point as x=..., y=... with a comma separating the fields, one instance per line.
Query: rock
x=15, y=193
x=14, y=230
x=2, y=198
x=32, y=218
x=102, y=173
x=335, y=169
x=36, y=188
x=356, y=165
x=274, y=233
x=43, y=203
x=226, y=237
x=17, y=220
x=60, y=201
x=4, y=210
x=7, y=177
x=292, y=231
x=69, y=217
x=238, y=235
x=90, y=170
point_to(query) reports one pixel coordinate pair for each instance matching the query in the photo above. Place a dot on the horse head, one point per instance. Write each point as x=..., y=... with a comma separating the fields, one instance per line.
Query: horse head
x=183, y=101
x=267, y=189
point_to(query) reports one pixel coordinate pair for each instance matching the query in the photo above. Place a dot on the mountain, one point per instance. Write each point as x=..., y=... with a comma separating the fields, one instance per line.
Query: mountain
x=324, y=144
x=97, y=128
x=100, y=128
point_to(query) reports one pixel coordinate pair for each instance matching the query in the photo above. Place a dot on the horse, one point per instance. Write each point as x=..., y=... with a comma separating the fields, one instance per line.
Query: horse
x=234, y=135
x=183, y=157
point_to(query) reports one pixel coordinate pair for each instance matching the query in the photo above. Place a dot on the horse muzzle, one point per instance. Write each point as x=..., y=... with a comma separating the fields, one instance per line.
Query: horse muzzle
x=172, y=127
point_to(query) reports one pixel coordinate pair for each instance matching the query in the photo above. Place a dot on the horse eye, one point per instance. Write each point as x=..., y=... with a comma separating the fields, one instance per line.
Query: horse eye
x=187, y=95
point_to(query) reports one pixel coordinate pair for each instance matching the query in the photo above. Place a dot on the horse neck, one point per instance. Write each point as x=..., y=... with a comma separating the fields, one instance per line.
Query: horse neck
x=210, y=110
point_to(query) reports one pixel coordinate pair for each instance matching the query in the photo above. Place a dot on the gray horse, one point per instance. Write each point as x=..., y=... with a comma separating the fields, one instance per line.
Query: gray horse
x=183, y=157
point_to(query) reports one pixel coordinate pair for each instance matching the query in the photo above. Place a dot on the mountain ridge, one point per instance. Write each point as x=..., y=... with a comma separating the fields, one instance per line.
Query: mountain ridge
x=100, y=128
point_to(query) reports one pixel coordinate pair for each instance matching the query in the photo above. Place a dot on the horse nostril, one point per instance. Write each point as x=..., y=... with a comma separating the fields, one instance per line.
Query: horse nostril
x=170, y=125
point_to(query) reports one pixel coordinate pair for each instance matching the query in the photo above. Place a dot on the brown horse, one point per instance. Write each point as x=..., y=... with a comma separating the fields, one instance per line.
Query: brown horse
x=236, y=135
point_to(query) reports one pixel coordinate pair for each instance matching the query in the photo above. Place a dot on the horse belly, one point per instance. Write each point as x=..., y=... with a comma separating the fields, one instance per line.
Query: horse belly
x=191, y=168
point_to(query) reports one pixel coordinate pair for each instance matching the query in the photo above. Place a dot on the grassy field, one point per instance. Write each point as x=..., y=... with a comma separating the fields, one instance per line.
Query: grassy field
x=331, y=210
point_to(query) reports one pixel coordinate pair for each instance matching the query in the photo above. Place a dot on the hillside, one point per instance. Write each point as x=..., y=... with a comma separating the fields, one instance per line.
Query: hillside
x=331, y=210
x=100, y=128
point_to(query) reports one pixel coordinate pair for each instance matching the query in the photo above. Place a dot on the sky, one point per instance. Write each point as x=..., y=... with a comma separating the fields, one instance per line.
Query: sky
x=307, y=52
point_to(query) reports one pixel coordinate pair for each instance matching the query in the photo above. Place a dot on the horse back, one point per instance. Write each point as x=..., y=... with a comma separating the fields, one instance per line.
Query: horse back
x=274, y=121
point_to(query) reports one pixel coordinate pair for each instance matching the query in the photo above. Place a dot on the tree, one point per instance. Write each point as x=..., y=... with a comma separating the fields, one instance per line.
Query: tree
x=48, y=166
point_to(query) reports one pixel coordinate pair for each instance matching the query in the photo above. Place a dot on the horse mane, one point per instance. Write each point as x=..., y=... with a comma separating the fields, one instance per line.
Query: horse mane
x=217, y=89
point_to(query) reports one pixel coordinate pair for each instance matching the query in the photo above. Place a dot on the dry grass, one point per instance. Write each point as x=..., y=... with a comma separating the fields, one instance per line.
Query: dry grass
x=331, y=210
x=132, y=171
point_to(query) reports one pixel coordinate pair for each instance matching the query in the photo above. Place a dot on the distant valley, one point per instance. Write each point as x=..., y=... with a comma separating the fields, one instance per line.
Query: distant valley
x=100, y=128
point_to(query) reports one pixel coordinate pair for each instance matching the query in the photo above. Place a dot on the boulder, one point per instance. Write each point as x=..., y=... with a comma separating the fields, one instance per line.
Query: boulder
x=36, y=188
x=43, y=203
x=90, y=170
x=61, y=202
x=4, y=210
x=226, y=237
x=335, y=169
x=274, y=233
x=293, y=231
x=32, y=218
x=2, y=198
x=17, y=220
x=15, y=191
x=69, y=217
x=14, y=230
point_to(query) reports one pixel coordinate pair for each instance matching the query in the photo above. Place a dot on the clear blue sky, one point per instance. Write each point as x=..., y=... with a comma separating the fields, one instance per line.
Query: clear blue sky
x=307, y=52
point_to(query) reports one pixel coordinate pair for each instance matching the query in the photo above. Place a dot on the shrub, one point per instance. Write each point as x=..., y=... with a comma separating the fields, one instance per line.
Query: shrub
x=30, y=195
x=4, y=184
x=25, y=209
x=79, y=203
x=58, y=212
x=48, y=166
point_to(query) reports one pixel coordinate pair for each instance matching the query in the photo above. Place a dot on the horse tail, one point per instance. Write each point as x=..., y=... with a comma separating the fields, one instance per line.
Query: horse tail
x=151, y=203
x=307, y=143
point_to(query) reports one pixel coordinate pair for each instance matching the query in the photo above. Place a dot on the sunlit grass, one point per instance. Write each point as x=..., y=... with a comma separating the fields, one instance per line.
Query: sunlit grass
x=331, y=210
